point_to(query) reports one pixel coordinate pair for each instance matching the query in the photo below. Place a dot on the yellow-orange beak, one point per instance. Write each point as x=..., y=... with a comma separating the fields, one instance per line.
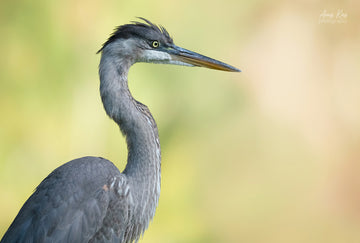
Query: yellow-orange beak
x=195, y=59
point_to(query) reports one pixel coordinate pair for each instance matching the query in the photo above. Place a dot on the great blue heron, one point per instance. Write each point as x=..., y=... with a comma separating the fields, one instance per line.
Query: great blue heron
x=88, y=199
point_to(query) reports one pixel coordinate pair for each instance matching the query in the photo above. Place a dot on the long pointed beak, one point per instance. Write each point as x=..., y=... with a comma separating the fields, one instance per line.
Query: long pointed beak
x=195, y=59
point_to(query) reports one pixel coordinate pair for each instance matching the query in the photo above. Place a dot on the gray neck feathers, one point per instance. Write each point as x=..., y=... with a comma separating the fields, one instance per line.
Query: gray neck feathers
x=139, y=127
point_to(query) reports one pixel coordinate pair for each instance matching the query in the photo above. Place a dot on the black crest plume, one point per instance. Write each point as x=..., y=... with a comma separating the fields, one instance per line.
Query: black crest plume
x=146, y=30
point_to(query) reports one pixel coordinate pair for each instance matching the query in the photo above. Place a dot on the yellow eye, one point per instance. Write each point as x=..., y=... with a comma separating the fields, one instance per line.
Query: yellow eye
x=155, y=44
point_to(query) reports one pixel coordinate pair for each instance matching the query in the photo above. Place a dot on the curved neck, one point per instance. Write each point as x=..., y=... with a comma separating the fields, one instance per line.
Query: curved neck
x=137, y=124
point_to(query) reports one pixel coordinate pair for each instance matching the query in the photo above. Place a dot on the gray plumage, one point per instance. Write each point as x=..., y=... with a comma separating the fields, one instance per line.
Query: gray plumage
x=88, y=199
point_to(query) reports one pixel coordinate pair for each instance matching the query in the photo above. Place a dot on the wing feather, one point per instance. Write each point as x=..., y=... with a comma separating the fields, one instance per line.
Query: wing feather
x=71, y=205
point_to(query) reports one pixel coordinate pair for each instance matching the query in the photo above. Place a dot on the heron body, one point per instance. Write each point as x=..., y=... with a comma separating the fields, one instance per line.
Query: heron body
x=89, y=199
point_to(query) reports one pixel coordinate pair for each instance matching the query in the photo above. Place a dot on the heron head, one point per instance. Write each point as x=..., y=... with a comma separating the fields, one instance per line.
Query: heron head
x=147, y=42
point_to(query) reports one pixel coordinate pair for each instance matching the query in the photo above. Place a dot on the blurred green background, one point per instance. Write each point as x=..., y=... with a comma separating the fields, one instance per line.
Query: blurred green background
x=271, y=154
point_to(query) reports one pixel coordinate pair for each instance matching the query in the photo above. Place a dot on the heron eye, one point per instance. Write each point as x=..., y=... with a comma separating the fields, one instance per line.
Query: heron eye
x=155, y=44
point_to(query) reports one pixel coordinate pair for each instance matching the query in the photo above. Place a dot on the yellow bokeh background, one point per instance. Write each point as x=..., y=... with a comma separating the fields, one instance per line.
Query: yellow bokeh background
x=271, y=154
